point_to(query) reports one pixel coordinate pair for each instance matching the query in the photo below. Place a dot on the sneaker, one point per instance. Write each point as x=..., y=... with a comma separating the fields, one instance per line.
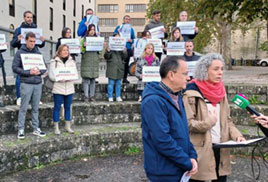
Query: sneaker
x=140, y=99
x=18, y=102
x=111, y=99
x=21, y=134
x=40, y=102
x=92, y=99
x=118, y=99
x=38, y=132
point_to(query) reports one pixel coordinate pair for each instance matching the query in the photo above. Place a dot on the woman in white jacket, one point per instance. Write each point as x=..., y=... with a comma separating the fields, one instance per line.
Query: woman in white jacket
x=63, y=90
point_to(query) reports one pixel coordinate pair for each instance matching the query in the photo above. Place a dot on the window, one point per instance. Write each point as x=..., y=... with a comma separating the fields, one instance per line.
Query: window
x=34, y=11
x=51, y=19
x=135, y=8
x=108, y=8
x=74, y=10
x=106, y=35
x=137, y=21
x=74, y=29
x=82, y=13
x=12, y=8
x=108, y=22
x=64, y=21
x=11, y=49
x=64, y=5
x=51, y=1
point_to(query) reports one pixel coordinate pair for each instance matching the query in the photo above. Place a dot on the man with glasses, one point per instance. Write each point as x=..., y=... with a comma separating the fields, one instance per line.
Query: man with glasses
x=168, y=151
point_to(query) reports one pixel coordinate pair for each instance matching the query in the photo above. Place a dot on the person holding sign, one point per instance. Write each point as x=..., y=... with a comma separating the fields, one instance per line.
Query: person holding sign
x=115, y=71
x=148, y=58
x=155, y=22
x=89, y=66
x=126, y=31
x=175, y=46
x=31, y=84
x=65, y=34
x=83, y=25
x=63, y=90
x=183, y=18
x=16, y=43
x=209, y=120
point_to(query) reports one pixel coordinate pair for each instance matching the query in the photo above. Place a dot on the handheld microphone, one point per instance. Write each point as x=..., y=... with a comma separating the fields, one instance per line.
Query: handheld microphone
x=241, y=101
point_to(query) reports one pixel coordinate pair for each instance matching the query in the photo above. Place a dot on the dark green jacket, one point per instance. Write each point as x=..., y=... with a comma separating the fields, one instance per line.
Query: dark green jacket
x=115, y=64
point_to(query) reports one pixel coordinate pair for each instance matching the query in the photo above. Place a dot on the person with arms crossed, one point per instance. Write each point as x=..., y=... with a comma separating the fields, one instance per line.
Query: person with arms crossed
x=168, y=151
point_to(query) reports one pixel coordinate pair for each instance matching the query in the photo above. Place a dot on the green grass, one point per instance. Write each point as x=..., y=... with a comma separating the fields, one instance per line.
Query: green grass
x=133, y=151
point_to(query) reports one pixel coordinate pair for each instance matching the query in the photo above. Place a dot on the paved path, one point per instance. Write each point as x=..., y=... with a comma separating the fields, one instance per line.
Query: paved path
x=116, y=169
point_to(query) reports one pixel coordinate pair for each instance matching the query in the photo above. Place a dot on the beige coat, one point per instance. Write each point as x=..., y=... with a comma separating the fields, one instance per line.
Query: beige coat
x=63, y=88
x=199, y=127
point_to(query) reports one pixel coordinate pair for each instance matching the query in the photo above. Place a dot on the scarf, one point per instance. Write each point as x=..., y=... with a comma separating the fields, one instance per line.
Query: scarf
x=212, y=92
x=149, y=59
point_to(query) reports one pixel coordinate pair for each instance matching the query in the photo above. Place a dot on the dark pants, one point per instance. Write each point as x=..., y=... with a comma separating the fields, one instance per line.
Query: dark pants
x=158, y=54
x=18, y=86
x=218, y=159
x=129, y=54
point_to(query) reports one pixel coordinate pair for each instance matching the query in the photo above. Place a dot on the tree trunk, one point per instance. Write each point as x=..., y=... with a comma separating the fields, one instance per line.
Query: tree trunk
x=226, y=44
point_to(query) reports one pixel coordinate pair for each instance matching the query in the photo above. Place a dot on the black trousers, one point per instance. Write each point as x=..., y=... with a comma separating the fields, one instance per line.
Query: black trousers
x=129, y=54
x=158, y=54
x=218, y=159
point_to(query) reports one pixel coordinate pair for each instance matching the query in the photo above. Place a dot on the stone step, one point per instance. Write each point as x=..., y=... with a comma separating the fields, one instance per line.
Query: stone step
x=257, y=94
x=35, y=151
x=102, y=139
x=82, y=114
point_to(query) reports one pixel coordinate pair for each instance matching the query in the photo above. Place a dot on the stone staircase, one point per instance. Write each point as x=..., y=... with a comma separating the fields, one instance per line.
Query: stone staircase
x=100, y=128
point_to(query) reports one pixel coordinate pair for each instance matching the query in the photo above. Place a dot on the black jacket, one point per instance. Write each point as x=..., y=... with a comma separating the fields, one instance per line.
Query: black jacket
x=25, y=76
x=15, y=43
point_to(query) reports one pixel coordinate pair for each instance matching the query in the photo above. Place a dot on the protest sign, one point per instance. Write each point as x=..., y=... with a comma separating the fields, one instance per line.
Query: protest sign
x=151, y=73
x=37, y=31
x=157, y=44
x=3, y=43
x=94, y=43
x=66, y=73
x=186, y=27
x=157, y=33
x=175, y=48
x=117, y=43
x=74, y=45
x=30, y=61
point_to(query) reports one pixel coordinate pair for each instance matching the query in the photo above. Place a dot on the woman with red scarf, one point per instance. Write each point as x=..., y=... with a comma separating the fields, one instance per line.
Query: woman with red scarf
x=148, y=58
x=209, y=120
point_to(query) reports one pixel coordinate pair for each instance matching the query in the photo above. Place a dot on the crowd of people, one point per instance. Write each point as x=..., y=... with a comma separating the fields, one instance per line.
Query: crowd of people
x=183, y=116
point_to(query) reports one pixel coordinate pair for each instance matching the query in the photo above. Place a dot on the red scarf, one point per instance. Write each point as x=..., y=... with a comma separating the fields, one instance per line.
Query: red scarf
x=212, y=92
x=149, y=59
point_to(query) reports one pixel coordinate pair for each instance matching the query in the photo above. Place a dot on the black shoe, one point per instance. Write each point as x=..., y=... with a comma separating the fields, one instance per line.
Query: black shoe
x=2, y=104
x=96, y=82
x=126, y=81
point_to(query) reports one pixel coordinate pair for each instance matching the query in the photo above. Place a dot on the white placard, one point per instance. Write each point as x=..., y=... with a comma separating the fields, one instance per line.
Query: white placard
x=92, y=19
x=125, y=31
x=65, y=73
x=157, y=33
x=94, y=43
x=117, y=43
x=3, y=43
x=139, y=45
x=74, y=45
x=150, y=74
x=32, y=60
x=191, y=67
x=157, y=44
x=186, y=27
x=175, y=48
x=37, y=31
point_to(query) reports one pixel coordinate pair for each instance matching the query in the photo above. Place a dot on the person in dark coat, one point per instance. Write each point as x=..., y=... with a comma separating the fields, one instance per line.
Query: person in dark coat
x=16, y=43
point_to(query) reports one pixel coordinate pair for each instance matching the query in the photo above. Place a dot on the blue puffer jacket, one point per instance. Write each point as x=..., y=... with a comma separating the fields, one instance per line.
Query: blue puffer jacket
x=25, y=76
x=165, y=136
x=82, y=28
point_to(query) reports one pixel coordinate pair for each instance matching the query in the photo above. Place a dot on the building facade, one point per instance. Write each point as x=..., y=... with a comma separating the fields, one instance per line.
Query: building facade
x=49, y=15
x=111, y=14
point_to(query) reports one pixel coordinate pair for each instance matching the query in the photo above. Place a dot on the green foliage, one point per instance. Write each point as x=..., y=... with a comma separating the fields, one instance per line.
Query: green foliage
x=254, y=99
x=132, y=151
x=264, y=46
x=244, y=131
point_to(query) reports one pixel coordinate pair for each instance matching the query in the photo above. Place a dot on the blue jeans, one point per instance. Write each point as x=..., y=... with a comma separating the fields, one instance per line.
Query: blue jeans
x=110, y=87
x=18, y=86
x=67, y=101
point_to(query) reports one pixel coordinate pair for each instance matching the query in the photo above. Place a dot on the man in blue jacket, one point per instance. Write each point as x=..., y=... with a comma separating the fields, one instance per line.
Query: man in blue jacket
x=31, y=86
x=130, y=41
x=168, y=151
x=82, y=28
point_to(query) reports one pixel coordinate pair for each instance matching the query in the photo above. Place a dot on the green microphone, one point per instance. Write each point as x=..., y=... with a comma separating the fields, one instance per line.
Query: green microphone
x=241, y=101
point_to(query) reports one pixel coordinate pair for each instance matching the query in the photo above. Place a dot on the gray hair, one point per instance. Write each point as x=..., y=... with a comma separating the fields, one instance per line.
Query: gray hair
x=201, y=67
